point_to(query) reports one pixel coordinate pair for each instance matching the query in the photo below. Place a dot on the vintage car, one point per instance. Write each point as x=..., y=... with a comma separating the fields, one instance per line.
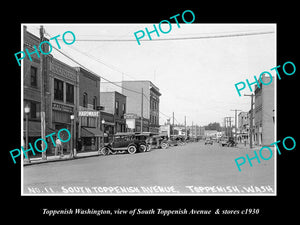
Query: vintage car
x=160, y=141
x=208, y=141
x=124, y=142
x=224, y=141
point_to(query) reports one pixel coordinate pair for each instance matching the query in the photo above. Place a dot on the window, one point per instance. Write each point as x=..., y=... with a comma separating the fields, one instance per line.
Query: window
x=85, y=100
x=95, y=102
x=58, y=90
x=70, y=93
x=33, y=76
x=117, y=108
x=35, y=109
x=124, y=108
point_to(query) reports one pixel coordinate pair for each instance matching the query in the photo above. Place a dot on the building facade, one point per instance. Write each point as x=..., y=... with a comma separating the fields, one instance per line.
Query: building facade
x=90, y=135
x=63, y=91
x=264, y=113
x=60, y=86
x=115, y=104
x=32, y=88
x=149, y=104
x=243, y=126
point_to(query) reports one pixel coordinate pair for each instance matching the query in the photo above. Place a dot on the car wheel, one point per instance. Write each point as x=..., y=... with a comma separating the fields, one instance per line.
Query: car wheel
x=131, y=149
x=164, y=145
x=143, y=148
x=105, y=151
x=149, y=148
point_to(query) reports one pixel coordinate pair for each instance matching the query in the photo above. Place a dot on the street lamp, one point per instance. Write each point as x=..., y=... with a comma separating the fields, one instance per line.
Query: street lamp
x=27, y=111
x=72, y=139
x=103, y=121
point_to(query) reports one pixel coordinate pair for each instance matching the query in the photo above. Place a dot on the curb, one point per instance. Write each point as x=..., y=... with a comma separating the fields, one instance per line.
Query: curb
x=59, y=160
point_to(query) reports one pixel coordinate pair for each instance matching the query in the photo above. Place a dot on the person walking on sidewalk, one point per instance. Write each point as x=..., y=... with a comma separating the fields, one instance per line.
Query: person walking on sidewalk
x=58, y=148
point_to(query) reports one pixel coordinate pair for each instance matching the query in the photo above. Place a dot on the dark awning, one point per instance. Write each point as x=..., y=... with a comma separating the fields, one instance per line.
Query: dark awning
x=91, y=132
x=34, y=129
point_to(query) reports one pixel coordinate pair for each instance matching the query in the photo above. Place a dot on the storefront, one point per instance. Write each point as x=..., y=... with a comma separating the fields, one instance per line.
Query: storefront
x=90, y=135
x=63, y=85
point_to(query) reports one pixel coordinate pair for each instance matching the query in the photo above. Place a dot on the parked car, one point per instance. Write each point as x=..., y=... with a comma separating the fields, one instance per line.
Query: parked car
x=223, y=141
x=160, y=141
x=124, y=142
x=208, y=141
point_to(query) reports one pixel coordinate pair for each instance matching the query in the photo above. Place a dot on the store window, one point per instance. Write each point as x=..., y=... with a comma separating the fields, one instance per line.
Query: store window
x=35, y=109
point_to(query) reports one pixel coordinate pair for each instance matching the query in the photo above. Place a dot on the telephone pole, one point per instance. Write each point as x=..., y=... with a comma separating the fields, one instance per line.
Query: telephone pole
x=235, y=124
x=251, y=119
x=185, y=127
x=43, y=121
x=173, y=124
x=142, y=105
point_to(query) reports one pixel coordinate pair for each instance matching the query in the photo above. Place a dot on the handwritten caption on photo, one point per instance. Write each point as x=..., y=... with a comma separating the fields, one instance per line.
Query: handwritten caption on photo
x=115, y=190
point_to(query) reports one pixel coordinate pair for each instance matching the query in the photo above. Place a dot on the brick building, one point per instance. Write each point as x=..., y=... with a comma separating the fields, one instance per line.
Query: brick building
x=115, y=104
x=264, y=113
x=132, y=90
x=89, y=121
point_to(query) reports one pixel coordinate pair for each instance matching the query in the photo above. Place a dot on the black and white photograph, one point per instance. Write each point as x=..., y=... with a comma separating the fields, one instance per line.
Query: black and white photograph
x=175, y=108
x=141, y=111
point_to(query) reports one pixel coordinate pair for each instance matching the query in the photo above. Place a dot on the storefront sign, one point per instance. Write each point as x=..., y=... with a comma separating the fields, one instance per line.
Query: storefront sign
x=60, y=107
x=88, y=113
x=130, y=116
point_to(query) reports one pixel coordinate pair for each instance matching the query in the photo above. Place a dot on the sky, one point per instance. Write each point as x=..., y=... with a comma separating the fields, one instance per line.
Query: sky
x=196, y=77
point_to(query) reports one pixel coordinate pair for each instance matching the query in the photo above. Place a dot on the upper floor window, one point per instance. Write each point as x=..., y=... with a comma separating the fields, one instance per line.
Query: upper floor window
x=33, y=76
x=85, y=99
x=58, y=90
x=70, y=93
x=95, y=102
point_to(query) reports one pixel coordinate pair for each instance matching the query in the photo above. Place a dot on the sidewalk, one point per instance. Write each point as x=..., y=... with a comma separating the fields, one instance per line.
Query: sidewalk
x=52, y=158
x=254, y=147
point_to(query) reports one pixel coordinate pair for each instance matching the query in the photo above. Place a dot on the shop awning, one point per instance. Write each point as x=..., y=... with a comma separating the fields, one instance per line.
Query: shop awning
x=91, y=132
x=34, y=129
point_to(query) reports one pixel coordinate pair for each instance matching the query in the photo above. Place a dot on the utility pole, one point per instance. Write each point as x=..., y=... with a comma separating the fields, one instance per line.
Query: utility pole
x=142, y=105
x=185, y=127
x=251, y=119
x=173, y=124
x=192, y=129
x=43, y=121
x=235, y=124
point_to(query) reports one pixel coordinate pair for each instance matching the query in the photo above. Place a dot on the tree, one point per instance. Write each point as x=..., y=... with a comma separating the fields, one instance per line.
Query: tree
x=213, y=126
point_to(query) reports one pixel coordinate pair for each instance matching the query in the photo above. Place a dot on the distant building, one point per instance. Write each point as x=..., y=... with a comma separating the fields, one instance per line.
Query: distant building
x=196, y=131
x=243, y=126
x=211, y=133
x=115, y=104
x=264, y=113
x=132, y=90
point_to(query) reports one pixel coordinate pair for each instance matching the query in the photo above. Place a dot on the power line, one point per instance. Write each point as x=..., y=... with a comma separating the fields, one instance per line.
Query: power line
x=183, y=38
x=103, y=77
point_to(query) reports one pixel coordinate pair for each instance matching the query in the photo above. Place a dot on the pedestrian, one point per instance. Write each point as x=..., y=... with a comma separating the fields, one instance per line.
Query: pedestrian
x=58, y=148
